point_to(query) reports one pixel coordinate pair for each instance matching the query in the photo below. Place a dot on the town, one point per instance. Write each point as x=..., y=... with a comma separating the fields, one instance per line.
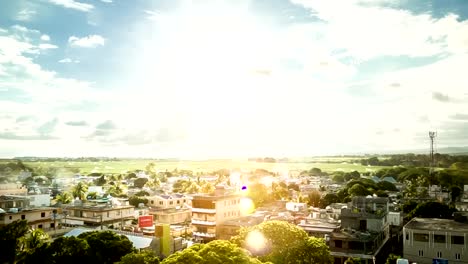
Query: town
x=403, y=210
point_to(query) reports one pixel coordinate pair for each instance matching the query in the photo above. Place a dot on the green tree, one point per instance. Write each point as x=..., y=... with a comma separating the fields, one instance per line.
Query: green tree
x=432, y=210
x=314, y=198
x=328, y=199
x=392, y=259
x=215, y=252
x=80, y=190
x=11, y=240
x=64, y=198
x=258, y=193
x=455, y=193
x=140, y=182
x=358, y=190
x=106, y=246
x=136, y=200
x=283, y=243
x=69, y=250
x=386, y=186
x=143, y=257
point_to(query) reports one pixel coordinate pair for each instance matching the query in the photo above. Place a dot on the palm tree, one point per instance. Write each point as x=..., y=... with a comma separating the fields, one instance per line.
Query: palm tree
x=31, y=242
x=80, y=190
x=64, y=198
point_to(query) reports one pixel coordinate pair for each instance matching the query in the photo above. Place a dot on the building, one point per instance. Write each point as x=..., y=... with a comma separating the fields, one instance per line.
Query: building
x=97, y=214
x=171, y=216
x=37, y=217
x=230, y=228
x=425, y=239
x=164, y=201
x=12, y=188
x=210, y=211
x=364, y=230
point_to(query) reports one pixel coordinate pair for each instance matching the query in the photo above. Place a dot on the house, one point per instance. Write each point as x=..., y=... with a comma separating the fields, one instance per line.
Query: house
x=12, y=188
x=165, y=201
x=16, y=207
x=97, y=213
x=426, y=239
x=364, y=230
x=210, y=211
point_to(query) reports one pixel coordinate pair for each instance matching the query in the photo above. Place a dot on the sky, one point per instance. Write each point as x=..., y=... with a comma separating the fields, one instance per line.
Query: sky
x=240, y=78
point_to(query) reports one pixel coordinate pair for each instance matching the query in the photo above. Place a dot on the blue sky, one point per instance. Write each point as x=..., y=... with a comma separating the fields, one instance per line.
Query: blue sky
x=197, y=79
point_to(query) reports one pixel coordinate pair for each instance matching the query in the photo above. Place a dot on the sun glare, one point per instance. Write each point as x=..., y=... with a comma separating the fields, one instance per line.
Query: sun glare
x=246, y=206
x=256, y=242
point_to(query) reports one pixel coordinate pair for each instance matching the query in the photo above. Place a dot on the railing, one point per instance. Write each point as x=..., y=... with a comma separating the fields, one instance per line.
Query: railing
x=200, y=234
x=200, y=222
x=203, y=210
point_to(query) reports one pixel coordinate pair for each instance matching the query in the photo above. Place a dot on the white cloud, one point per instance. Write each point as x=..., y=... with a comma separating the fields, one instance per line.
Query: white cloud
x=106, y=1
x=66, y=60
x=47, y=46
x=90, y=41
x=72, y=4
x=371, y=31
x=45, y=37
x=25, y=15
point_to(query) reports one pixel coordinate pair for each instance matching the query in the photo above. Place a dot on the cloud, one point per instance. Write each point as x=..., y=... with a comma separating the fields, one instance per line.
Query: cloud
x=106, y=125
x=47, y=46
x=25, y=15
x=90, y=41
x=68, y=60
x=106, y=1
x=463, y=117
x=25, y=118
x=48, y=127
x=77, y=123
x=440, y=97
x=72, y=4
x=12, y=136
x=45, y=37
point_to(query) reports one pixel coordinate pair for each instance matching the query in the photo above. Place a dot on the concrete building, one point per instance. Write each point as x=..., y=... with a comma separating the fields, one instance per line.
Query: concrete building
x=426, y=239
x=171, y=216
x=364, y=230
x=37, y=218
x=164, y=201
x=230, y=228
x=12, y=188
x=97, y=214
x=210, y=211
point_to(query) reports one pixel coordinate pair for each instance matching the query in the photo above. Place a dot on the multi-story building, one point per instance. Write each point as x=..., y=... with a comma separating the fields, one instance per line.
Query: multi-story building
x=12, y=188
x=164, y=201
x=17, y=207
x=230, y=228
x=426, y=239
x=364, y=230
x=210, y=211
x=171, y=216
x=95, y=214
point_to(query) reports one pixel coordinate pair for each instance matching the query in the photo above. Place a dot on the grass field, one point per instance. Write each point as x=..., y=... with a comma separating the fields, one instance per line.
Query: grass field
x=203, y=166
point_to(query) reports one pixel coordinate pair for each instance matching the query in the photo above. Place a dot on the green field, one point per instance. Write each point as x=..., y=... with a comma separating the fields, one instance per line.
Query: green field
x=328, y=165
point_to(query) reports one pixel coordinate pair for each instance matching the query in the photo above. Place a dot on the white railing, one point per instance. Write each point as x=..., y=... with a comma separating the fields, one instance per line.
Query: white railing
x=203, y=210
x=200, y=222
x=200, y=234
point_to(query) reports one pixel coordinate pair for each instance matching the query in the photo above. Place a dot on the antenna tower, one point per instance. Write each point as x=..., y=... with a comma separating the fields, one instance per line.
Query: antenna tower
x=432, y=136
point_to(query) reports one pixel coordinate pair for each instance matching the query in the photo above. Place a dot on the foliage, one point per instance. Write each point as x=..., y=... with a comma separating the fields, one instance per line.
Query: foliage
x=314, y=198
x=286, y=243
x=100, y=181
x=140, y=182
x=143, y=257
x=69, y=250
x=136, y=200
x=215, y=252
x=64, y=198
x=455, y=193
x=106, y=246
x=392, y=259
x=11, y=240
x=80, y=190
x=432, y=210
x=386, y=186
x=328, y=199
x=142, y=193
x=358, y=190
x=258, y=193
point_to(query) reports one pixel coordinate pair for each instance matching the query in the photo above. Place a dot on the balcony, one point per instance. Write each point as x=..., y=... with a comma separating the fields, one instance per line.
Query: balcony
x=200, y=234
x=203, y=210
x=200, y=222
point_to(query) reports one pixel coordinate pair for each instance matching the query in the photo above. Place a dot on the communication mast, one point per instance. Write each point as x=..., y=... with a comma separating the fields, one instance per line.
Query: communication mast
x=432, y=136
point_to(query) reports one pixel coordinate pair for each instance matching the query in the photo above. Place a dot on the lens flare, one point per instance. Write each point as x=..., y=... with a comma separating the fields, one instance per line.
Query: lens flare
x=256, y=243
x=246, y=206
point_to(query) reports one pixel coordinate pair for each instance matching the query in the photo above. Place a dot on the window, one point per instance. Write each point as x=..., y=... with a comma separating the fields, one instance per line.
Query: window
x=439, y=238
x=152, y=201
x=52, y=225
x=171, y=202
x=458, y=240
x=421, y=253
x=439, y=254
x=160, y=202
x=184, y=200
x=178, y=201
x=457, y=256
x=108, y=214
x=10, y=217
x=39, y=226
x=23, y=217
x=407, y=236
x=421, y=237
x=42, y=214
x=338, y=244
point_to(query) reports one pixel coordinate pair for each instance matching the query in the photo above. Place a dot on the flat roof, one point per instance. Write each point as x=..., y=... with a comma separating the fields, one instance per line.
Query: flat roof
x=436, y=224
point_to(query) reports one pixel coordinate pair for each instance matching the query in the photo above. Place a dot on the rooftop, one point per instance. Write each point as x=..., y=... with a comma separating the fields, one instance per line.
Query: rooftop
x=436, y=224
x=138, y=241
